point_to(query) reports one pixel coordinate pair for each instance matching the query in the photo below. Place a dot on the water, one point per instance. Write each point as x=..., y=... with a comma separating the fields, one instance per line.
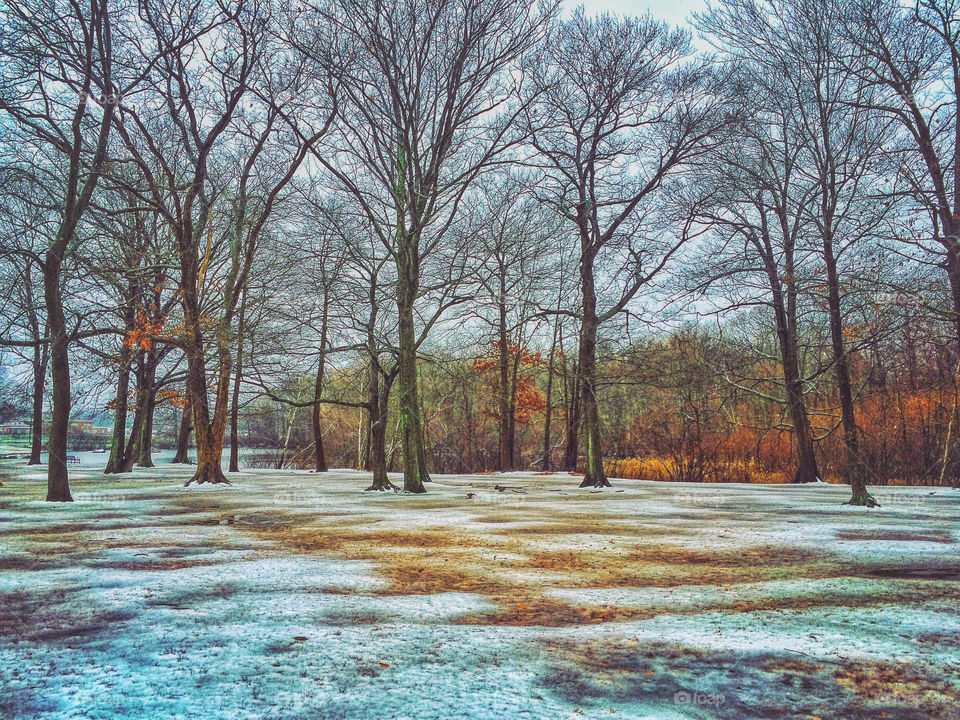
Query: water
x=89, y=459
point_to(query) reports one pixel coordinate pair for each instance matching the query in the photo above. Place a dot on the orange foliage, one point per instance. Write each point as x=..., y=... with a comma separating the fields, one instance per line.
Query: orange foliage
x=172, y=396
x=529, y=399
x=141, y=337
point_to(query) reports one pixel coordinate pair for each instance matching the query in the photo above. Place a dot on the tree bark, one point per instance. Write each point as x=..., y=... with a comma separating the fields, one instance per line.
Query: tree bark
x=183, y=435
x=118, y=442
x=545, y=463
x=855, y=467
x=807, y=468
x=40, y=360
x=315, y=415
x=784, y=294
x=414, y=474
x=377, y=409
x=587, y=361
x=145, y=454
x=58, y=485
x=505, y=445
x=132, y=450
x=38, y=366
x=209, y=431
x=237, y=379
x=571, y=449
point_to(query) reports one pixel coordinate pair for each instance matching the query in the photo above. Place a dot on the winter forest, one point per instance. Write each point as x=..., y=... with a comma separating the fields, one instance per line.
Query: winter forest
x=479, y=358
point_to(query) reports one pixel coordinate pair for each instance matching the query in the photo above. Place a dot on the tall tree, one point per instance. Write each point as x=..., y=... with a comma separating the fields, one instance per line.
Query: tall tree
x=60, y=95
x=514, y=238
x=800, y=63
x=622, y=111
x=430, y=97
x=246, y=116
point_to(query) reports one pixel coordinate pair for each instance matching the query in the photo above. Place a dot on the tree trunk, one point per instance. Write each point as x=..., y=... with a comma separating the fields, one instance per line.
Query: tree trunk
x=807, y=468
x=953, y=272
x=132, y=450
x=545, y=463
x=587, y=361
x=144, y=394
x=414, y=474
x=58, y=484
x=363, y=441
x=315, y=415
x=512, y=408
x=209, y=431
x=40, y=358
x=38, y=366
x=183, y=436
x=784, y=311
x=571, y=449
x=377, y=408
x=237, y=379
x=119, y=440
x=208, y=438
x=145, y=454
x=505, y=455
x=855, y=467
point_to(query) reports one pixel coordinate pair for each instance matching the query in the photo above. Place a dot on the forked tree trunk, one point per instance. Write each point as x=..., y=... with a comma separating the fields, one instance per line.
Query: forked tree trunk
x=209, y=430
x=132, y=450
x=209, y=433
x=76, y=201
x=145, y=396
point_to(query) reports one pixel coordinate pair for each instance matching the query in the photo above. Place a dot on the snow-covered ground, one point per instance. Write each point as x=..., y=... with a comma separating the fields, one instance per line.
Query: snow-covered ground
x=297, y=595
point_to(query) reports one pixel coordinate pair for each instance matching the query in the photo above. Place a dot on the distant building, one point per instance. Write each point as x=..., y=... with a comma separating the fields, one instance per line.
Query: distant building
x=85, y=427
x=15, y=430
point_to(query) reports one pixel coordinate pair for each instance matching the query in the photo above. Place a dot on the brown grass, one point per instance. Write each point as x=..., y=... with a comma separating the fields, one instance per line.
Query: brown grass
x=452, y=561
x=893, y=684
x=154, y=565
x=936, y=536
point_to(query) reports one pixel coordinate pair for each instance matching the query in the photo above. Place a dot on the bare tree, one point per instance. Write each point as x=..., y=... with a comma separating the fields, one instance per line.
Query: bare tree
x=60, y=94
x=515, y=241
x=621, y=112
x=813, y=144
x=245, y=118
x=430, y=97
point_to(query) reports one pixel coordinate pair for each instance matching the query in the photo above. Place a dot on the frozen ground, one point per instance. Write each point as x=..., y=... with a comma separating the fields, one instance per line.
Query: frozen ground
x=296, y=595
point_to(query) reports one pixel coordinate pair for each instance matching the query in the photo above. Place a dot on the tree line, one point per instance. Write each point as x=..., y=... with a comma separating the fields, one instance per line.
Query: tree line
x=421, y=213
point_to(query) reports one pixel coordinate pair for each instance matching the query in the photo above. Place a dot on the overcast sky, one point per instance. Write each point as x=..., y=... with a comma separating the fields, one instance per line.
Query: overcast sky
x=673, y=11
